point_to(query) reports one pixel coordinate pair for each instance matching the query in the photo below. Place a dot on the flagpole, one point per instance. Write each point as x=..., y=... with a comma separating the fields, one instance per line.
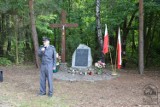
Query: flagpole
x=107, y=49
x=116, y=61
x=113, y=72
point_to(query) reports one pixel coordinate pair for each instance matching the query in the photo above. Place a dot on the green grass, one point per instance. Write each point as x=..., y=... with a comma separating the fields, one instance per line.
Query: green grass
x=43, y=101
x=15, y=99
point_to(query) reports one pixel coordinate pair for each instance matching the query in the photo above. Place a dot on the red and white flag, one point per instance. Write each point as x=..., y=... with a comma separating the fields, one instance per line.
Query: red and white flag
x=119, y=51
x=106, y=41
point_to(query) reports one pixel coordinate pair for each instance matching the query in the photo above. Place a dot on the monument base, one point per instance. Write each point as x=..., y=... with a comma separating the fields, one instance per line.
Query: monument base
x=114, y=73
x=63, y=67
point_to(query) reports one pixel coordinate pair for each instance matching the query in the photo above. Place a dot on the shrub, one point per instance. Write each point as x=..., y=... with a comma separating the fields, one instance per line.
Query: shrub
x=5, y=61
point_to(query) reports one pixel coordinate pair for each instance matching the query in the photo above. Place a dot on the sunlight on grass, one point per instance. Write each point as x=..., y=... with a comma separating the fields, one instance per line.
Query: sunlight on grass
x=44, y=102
x=19, y=99
x=35, y=102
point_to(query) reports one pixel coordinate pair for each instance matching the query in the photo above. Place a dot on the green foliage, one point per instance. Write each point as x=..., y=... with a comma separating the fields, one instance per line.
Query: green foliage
x=114, y=13
x=156, y=57
x=21, y=52
x=43, y=22
x=5, y=61
x=72, y=43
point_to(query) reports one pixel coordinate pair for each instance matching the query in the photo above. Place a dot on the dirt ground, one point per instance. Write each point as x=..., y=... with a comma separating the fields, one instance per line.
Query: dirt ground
x=21, y=85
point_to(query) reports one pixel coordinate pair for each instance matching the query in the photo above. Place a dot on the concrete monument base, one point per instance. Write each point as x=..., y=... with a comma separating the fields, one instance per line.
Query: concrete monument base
x=63, y=67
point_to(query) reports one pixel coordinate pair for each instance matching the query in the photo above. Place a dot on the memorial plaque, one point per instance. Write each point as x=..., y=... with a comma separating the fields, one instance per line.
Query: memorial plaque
x=81, y=58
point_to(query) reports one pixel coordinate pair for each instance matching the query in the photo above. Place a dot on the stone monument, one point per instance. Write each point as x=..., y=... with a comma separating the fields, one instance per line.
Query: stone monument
x=82, y=57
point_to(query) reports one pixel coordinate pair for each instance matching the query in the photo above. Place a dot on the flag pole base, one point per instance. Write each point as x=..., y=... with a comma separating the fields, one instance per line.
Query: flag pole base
x=114, y=73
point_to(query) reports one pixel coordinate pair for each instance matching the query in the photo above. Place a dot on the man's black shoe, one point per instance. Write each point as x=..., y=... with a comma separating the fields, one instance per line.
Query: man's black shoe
x=50, y=95
x=41, y=94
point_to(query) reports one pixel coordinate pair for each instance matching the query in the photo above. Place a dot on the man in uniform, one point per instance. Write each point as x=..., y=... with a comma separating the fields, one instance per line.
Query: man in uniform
x=47, y=53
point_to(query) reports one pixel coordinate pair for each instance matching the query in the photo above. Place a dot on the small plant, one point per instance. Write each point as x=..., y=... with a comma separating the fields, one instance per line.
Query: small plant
x=5, y=62
x=58, y=59
x=99, y=67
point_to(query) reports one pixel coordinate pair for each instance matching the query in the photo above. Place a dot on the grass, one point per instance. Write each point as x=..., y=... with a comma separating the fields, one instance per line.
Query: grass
x=20, y=90
x=43, y=102
x=12, y=98
x=39, y=101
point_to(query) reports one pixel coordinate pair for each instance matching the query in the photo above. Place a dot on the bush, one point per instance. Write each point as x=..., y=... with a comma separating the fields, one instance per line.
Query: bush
x=5, y=62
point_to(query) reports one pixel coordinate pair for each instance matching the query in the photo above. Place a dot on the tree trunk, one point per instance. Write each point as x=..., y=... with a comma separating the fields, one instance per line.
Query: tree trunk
x=133, y=43
x=150, y=43
x=98, y=27
x=16, y=38
x=8, y=34
x=55, y=38
x=126, y=29
x=141, y=38
x=2, y=29
x=34, y=33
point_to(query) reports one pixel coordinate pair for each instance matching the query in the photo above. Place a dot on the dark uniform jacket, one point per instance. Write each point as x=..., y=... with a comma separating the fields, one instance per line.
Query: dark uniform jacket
x=48, y=56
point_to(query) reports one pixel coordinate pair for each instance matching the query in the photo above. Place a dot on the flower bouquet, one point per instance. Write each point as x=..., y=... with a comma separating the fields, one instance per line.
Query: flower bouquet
x=99, y=67
x=58, y=60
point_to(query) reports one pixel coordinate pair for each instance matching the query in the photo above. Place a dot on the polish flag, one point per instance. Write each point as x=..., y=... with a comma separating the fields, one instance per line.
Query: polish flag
x=119, y=51
x=106, y=41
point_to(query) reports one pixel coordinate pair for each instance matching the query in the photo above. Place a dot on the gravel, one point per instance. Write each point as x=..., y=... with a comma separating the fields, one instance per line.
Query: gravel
x=61, y=75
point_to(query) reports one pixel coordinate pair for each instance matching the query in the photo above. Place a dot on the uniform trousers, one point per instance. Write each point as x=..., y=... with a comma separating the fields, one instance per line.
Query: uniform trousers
x=46, y=73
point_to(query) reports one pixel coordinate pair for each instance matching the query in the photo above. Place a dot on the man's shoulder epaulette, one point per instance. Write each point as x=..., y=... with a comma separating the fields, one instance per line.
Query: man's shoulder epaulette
x=41, y=46
x=52, y=46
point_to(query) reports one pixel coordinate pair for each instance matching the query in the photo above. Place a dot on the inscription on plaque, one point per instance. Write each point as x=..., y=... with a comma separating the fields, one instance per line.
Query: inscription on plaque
x=81, y=58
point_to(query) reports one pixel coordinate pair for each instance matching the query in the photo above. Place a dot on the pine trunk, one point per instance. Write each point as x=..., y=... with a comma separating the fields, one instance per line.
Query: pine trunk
x=141, y=40
x=16, y=38
x=34, y=33
x=8, y=34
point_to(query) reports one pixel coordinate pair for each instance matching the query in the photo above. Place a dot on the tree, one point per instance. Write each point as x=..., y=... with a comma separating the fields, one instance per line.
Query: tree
x=34, y=32
x=141, y=40
x=17, y=42
x=98, y=28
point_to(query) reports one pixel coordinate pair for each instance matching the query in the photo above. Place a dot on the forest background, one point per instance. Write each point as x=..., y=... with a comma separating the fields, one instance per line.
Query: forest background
x=16, y=43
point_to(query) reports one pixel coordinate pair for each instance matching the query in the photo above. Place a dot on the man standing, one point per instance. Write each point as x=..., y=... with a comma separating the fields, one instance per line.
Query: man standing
x=47, y=53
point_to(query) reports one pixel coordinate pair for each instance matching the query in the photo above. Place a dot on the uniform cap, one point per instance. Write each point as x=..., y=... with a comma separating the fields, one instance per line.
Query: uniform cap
x=45, y=39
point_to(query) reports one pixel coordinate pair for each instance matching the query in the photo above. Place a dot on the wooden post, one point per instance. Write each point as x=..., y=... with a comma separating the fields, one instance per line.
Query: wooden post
x=63, y=25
